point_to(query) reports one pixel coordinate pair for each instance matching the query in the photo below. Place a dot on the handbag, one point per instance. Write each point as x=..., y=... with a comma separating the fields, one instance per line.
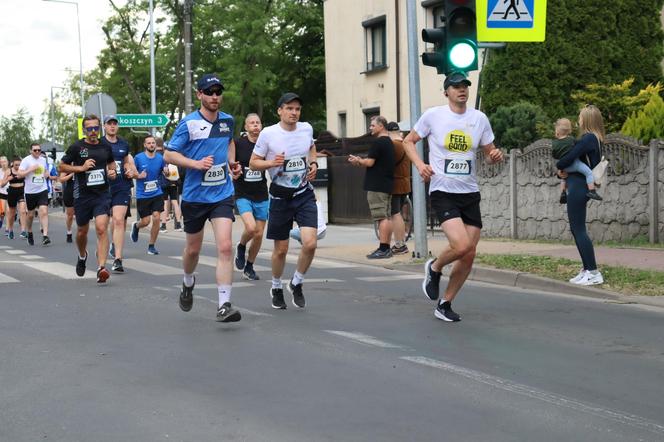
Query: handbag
x=600, y=169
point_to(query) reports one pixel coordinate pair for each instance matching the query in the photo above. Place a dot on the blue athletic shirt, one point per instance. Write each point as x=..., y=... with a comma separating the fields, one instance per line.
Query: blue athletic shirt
x=149, y=187
x=120, y=152
x=197, y=138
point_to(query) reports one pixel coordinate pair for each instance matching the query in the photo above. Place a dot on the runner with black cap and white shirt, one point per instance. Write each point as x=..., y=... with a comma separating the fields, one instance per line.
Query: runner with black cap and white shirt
x=455, y=132
x=34, y=168
x=287, y=151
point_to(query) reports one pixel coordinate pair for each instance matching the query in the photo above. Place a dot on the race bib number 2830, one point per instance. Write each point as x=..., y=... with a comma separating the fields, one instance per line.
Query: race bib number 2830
x=215, y=175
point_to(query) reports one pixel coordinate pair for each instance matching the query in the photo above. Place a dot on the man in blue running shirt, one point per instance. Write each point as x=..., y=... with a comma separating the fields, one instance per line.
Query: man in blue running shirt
x=203, y=144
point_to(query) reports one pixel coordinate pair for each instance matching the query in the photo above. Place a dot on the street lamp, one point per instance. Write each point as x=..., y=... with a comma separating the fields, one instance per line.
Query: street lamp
x=53, y=115
x=80, y=53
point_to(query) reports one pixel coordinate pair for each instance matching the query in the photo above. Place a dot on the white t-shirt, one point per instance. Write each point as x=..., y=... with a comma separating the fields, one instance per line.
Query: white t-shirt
x=295, y=145
x=3, y=189
x=453, y=142
x=35, y=182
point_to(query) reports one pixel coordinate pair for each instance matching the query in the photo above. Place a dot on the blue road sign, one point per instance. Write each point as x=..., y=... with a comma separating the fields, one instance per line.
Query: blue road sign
x=510, y=14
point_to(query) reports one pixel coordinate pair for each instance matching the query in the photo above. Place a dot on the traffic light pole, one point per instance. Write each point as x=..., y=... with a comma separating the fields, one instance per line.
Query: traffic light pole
x=419, y=197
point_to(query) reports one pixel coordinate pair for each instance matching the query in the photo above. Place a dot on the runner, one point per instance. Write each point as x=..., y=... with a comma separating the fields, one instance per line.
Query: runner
x=67, y=180
x=287, y=150
x=34, y=169
x=15, y=195
x=203, y=143
x=251, y=199
x=4, y=171
x=149, y=199
x=94, y=166
x=455, y=132
x=170, y=188
x=120, y=187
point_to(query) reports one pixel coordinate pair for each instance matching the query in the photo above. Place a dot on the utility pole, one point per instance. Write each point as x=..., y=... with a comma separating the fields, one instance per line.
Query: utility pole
x=153, y=91
x=188, y=104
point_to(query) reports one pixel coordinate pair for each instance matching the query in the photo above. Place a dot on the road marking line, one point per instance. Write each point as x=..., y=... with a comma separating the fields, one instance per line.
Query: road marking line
x=363, y=339
x=318, y=263
x=5, y=247
x=61, y=270
x=151, y=268
x=15, y=252
x=238, y=284
x=163, y=289
x=211, y=261
x=31, y=257
x=6, y=278
x=242, y=309
x=389, y=278
x=534, y=393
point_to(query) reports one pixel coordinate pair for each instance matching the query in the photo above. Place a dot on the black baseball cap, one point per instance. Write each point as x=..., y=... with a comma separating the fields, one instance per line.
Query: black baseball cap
x=287, y=98
x=108, y=118
x=456, y=78
x=392, y=126
x=207, y=81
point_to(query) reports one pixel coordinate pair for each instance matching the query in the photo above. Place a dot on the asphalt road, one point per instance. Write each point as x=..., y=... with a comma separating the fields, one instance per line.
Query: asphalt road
x=365, y=361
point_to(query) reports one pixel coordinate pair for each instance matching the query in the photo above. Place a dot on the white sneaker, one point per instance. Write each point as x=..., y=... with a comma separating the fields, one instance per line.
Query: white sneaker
x=591, y=279
x=578, y=277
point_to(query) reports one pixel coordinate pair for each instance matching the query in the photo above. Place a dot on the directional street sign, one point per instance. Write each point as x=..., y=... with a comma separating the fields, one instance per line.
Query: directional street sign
x=142, y=120
x=511, y=20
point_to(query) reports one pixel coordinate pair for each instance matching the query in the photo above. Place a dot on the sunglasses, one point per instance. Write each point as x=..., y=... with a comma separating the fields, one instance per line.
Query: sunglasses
x=211, y=92
x=36, y=150
x=92, y=129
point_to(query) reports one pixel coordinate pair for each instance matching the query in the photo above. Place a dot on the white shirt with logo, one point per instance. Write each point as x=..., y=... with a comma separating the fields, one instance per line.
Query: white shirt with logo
x=35, y=182
x=295, y=145
x=453, y=142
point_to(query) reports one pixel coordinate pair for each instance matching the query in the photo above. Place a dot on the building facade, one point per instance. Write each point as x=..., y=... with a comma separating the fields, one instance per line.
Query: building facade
x=366, y=63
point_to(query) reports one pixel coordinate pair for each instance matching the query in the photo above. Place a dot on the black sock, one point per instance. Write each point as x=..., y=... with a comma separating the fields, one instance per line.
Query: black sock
x=383, y=247
x=444, y=304
x=249, y=265
x=241, y=247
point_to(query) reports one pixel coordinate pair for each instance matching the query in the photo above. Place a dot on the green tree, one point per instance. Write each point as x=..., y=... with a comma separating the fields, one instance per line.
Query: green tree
x=16, y=134
x=648, y=123
x=587, y=41
x=58, y=124
x=516, y=126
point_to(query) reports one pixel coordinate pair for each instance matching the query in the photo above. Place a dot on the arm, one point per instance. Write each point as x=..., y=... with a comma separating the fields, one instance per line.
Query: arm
x=235, y=166
x=582, y=147
x=313, y=165
x=178, y=159
x=425, y=170
x=70, y=168
x=361, y=162
x=64, y=177
x=129, y=166
x=492, y=153
x=258, y=162
x=22, y=173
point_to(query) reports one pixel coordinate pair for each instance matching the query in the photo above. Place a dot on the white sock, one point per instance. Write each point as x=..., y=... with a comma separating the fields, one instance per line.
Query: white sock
x=276, y=283
x=188, y=279
x=298, y=278
x=224, y=294
x=593, y=272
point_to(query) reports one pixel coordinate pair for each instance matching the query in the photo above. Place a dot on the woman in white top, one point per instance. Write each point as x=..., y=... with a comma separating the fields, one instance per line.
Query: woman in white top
x=4, y=171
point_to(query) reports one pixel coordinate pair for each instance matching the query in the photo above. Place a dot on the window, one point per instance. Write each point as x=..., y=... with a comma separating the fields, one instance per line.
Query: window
x=375, y=43
x=342, y=124
x=368, y=115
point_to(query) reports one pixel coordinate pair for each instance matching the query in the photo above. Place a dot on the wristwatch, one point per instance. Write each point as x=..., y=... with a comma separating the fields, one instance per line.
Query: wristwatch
x=312, y=163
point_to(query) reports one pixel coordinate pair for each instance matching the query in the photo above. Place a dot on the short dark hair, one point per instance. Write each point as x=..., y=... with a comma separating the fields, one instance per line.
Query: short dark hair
x=149, y=136
x=34, y=143
x=380, y=120
x=90, y=118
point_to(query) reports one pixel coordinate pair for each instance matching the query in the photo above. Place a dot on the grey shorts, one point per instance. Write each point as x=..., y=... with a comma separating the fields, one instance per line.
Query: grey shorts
x=380, y=205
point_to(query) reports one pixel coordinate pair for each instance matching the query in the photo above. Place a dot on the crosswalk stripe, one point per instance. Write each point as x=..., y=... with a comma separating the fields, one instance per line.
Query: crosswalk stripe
x=15, y=252
x=389, y=278
x=59, y=269
x=6, y=278
x=214, y=286
x=211, y=261
x=318, y=263
x=152, y=268
x=31, y=257
x=5, y=247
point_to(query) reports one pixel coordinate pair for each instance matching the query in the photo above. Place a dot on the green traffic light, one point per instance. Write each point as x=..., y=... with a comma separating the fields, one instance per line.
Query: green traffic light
x=462, y=55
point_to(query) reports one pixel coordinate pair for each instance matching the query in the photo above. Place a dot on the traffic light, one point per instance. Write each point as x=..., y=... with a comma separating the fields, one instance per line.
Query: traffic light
x=437, y=59
x=461, y=32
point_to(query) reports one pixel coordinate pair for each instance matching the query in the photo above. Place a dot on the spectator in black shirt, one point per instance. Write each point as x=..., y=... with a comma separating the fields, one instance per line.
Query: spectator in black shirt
x=378, y=182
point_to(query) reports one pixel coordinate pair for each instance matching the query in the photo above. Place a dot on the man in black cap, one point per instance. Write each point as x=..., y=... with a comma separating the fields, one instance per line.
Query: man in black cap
x=287, y=151
x=455, y=132
x=203, y=143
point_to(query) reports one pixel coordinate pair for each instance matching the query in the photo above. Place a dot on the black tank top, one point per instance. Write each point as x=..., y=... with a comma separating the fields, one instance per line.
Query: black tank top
x=15, y=179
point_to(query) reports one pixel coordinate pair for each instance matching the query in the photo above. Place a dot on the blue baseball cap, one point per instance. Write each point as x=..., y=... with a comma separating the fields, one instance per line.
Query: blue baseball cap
x=108, y=118
x=456, y=78
x=207, y=81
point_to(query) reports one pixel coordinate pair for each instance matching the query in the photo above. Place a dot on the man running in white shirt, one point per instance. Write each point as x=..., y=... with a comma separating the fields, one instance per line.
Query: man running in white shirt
x=34, y=168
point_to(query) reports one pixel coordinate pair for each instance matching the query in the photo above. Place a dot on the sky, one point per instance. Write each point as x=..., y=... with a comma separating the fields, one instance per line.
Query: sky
x=39, y=42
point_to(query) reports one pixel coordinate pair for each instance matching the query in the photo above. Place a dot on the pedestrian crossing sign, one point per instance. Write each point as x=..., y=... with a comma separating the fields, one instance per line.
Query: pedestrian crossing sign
x=511, y=20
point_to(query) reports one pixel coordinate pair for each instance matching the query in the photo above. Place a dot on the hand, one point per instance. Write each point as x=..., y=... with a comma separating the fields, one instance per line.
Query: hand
x=278, y=161
x=89, y=164
x=311, y=175
x=236, y=169
x=142, y=175
x=131, y=173
x=112, y=173
x=205, y=163
x=562, y=174
x=425, y=171
x=496, y=156
x=354, y=160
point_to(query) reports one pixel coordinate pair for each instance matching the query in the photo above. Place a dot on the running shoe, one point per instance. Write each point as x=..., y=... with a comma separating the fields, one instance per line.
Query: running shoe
x=380, y=254
x=240, y=259
x=111, y=251
x=46, y=240
x=226, y=313
x=591, y=278
x=2, y=221
x=134, y=231
x=249, y=273
x=6, y=232
x=431, y=283
x=102, y=275
x=396, y=250
x=24, y=234
x=31, y=239
x=178, y=227
x=11, y=234
x=298, y=296
x=69, y=238
x=578, y=277
x=444, y=311
x=187, y=296
x=152, y=250
x=80, y=265
x=117, y=266
x=163, y=229
x=593, y=195
x=278, y=299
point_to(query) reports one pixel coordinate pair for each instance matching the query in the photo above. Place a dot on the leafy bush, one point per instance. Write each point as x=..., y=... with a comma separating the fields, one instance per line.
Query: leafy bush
x=518, y=125
x=648, y=123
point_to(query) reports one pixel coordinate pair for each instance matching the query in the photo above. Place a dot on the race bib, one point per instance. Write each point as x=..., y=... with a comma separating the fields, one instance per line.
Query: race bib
x=294, y=173
x=252, y=176
x=215, y=175
x=150, y=186
x=38, y=179
x=118, y=168
x=173, y=174
x=95, y=177
x=457, y=167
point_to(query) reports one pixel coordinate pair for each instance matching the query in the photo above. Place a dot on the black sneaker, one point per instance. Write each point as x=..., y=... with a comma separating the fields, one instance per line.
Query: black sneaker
x=431, y=283
x=298, y=296
x=563, y=197
x=80, y=265
x=187, y=296
x=278, y=299
x=163, y=228
x=102, y=275
x=399, y=250
x=178, y=227
x=380, y=254
x=240, y=260
x=249, y=273
x=31, y=239
x=226, y=313
x=444, y=311
x=117, y=266
x=593, y=195
x=46, y=240
x=69, y=238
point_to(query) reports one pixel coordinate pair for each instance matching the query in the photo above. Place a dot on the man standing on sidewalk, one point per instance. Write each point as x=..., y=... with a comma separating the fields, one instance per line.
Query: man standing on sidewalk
x=287, y=150
x=454, y=132
x=203, y=143
x=34, y=168
x=94, y=166
x=379, y=182
x=401, y=189
x=150, y=166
